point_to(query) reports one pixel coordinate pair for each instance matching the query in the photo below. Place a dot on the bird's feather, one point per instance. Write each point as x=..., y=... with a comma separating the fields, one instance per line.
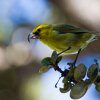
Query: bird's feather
x=65, y=28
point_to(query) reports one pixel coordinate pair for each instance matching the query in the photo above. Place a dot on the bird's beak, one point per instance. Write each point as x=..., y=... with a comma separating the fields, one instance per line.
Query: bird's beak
x=31, y=36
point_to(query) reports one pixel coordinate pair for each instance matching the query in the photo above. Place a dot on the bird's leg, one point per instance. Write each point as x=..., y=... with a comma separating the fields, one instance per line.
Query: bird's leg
x=76, y=57
x=64, y=51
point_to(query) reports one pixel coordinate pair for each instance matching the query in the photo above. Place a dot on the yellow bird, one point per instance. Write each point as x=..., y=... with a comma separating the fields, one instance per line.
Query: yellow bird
x=62, y=37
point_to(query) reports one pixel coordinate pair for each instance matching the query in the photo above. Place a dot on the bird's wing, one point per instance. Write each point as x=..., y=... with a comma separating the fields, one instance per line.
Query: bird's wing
x=65, y=28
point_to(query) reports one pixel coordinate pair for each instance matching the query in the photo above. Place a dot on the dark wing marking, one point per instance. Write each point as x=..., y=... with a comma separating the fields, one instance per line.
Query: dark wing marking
x=65, y=28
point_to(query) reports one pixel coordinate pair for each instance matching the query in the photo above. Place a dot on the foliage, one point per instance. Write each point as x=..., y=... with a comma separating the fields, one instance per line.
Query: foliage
x=73, y=77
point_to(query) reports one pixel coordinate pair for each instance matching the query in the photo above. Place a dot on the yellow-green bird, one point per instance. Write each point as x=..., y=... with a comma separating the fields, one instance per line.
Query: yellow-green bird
x=67, y=38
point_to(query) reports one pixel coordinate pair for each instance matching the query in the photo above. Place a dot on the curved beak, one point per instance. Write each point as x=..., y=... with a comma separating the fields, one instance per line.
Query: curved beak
x=31, y=36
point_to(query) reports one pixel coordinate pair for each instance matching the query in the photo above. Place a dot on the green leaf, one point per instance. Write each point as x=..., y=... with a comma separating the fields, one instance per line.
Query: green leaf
x=43, y=69
x=65, y=79
x=80, y=72
x=97, y=80
x=97, y=83
x=70, y=74
x=66, y=88
x=54, y=56
x=78, y=90
x=62, y=90
x=46, y=61
x=98, y=87
x=88, y=82
x=92, y=72
x=59, y=59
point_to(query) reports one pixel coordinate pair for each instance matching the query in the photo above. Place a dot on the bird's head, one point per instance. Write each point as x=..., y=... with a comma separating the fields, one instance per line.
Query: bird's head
x=40, y=31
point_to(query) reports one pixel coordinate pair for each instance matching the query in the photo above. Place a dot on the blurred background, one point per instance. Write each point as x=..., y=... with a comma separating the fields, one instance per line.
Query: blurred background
x=20, y=61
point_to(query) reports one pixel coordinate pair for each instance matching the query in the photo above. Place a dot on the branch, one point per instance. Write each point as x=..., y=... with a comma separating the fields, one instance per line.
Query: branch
x=73, y=77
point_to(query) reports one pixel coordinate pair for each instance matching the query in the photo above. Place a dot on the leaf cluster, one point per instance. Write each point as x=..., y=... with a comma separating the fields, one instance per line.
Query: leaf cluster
x=73, y=77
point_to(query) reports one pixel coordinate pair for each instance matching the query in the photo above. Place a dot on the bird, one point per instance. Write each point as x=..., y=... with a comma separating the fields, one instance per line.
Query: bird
x=63, y=38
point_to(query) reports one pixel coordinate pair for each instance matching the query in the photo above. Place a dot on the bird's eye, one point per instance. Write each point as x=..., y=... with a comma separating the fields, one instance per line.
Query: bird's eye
x=37, y=32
